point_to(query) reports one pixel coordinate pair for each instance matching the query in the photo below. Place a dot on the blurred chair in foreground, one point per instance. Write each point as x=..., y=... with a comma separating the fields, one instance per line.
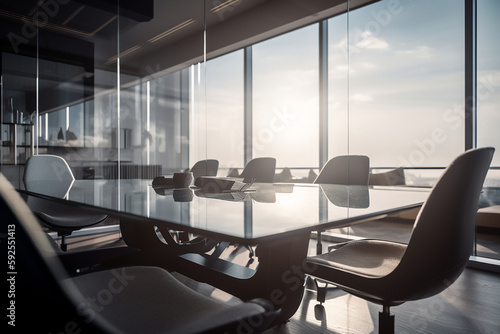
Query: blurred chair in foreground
x=128, y=299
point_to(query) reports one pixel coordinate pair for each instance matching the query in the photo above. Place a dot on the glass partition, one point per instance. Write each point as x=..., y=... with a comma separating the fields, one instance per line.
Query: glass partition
x=405, y=77
x=224, y=122
x=285, y=117
x=338, y=85
x=149, y=88
x=488, y=80
x=488, y=121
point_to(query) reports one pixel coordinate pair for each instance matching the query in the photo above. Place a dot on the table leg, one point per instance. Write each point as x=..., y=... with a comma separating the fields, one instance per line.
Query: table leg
x=279, y=277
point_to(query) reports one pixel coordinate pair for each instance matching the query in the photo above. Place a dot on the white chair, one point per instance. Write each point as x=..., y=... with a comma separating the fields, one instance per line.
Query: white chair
x=51, y=175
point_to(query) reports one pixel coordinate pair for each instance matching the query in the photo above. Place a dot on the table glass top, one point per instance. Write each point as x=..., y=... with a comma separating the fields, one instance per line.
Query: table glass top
x=266, y=210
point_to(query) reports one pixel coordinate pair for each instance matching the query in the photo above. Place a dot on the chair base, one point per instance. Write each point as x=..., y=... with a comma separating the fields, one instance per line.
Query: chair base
x=386, y=321
x=320, y=291
x=64, y=245
x=251, y=252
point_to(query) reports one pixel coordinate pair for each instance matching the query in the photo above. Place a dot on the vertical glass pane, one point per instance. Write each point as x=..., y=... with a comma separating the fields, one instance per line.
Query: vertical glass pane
x=488, y=122
x=338, y=71
x=488, y=77
x=286, y=98
x=197, y=113
x=406, y=79
x=225, y=110
x=396, y=92
x=51, y=51
x=166, y=122
x=155, y=55
x=156, y=49
x=18, y=65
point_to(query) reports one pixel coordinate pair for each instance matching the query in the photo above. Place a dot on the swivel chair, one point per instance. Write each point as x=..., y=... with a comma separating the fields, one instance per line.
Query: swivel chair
x=346, y=170
x=50, y=175
x=208, y=167
x=390, y=273
x=259, y=170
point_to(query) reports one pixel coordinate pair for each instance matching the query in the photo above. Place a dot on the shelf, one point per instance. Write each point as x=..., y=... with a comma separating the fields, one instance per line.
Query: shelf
x=18, y=145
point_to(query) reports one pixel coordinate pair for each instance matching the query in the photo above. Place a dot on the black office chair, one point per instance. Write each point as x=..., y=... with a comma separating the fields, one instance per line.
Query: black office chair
x=354, y=197
x=256, y=170
x=208, y=167
x=50, y=175
x=284, y=176
x=389, y=273
x=140, y=299
x=259, y=170
x=346, y=170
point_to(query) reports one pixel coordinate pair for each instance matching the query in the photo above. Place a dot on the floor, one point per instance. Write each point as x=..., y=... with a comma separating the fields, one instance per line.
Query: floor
x=470, y=305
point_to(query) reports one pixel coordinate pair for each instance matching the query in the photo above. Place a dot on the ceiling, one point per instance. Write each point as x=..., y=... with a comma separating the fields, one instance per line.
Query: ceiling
x=78, y=37
x=166, y=34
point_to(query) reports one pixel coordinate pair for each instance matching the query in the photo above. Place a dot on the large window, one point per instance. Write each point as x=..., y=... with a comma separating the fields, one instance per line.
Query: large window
x=285, y=98
x=387, y=80
x=164, y=122
x=225, y=111
x=406, y=83
x=488, y=76
x=338, y=86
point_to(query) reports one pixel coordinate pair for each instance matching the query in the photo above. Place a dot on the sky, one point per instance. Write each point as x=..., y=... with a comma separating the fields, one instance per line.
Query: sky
x=396, y=88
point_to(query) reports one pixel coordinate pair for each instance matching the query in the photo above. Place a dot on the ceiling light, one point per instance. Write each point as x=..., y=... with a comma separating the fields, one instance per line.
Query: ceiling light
x=123, y=54
x=171, y=30
x=223, y=5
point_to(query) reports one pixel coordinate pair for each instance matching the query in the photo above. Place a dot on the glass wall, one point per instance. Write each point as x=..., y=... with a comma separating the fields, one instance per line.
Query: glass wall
x=338, y=86
x=222, y=131
x=285, y=88
x=488, y=77
x=404, y=78
x=151, y=89
x=52, y=74
x=488, y=120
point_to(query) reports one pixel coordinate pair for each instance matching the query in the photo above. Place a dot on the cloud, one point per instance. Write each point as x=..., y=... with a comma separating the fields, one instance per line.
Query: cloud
x=361, y=40
x=366, y=40
x=420, y=52
x=362, y=97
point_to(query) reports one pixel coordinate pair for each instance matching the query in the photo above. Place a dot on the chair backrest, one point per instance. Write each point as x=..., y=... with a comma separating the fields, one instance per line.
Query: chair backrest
x=41, y=294
x=443, y=235
x=48, y=174
x=208, y=167
x=260, y=169
x=354, y=197
x=346, y=170
x=395, y=177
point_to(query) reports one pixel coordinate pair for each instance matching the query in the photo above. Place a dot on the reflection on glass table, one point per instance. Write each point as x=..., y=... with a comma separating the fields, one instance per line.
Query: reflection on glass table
x=274, y=208
x=276, y=219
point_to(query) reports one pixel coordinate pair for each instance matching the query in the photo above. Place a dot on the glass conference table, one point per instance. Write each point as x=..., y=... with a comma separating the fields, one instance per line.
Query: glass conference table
x=276, y=218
